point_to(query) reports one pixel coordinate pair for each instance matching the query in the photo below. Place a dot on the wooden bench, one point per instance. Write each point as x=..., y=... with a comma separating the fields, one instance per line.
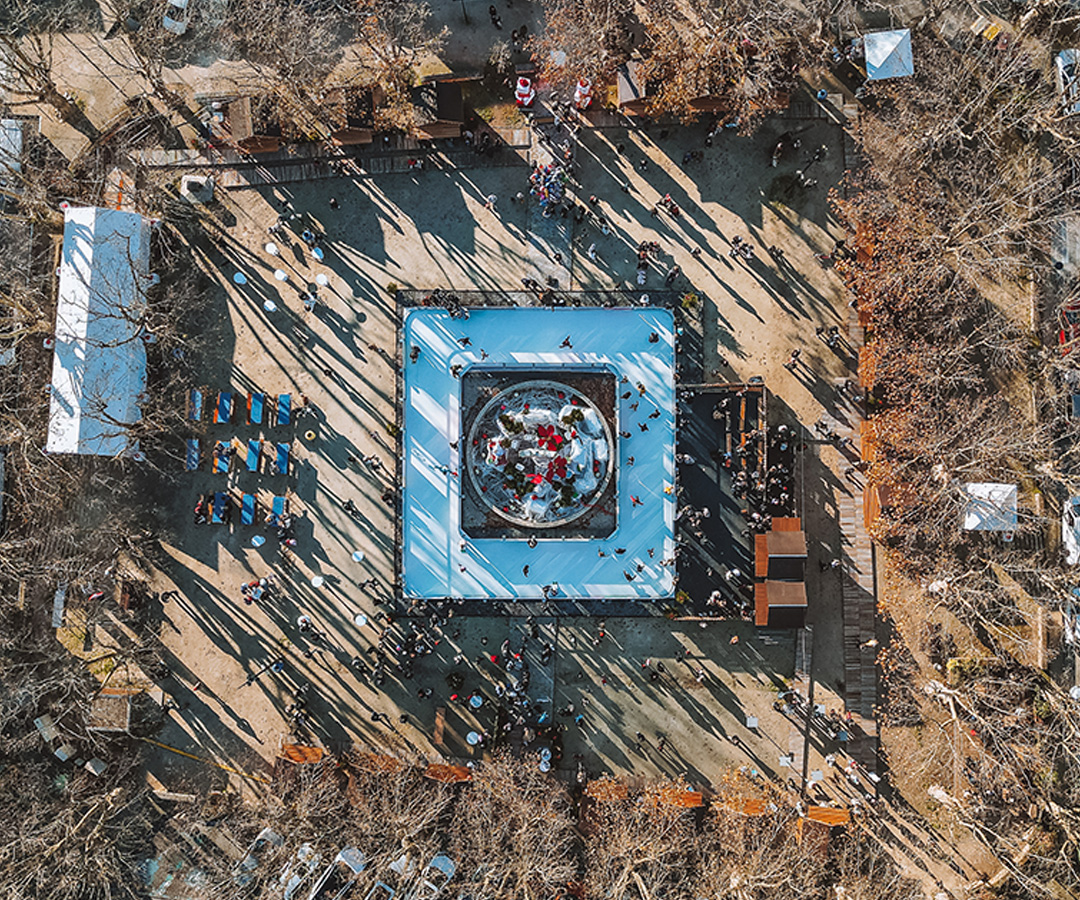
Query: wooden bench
x=440, y=725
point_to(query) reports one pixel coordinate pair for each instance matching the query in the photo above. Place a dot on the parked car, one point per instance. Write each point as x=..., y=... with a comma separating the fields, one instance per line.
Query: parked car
x=265, y=840
x=1069, y=331
x=1066, y=73
x=299, y=870
x=177, y=16
x=434, y=878
x=339, y=878
x=381, y=891
x=1070, y=530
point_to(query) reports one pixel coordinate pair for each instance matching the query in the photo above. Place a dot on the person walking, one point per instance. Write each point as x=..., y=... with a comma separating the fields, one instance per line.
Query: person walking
x=490, y=201
x=793, y=360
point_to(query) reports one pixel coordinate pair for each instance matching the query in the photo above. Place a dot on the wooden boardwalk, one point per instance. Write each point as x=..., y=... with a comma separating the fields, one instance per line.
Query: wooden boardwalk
x=307, y=162
x=859, y=598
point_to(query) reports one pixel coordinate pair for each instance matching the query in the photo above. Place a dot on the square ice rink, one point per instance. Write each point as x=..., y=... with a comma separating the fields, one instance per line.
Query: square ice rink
x=438, y=558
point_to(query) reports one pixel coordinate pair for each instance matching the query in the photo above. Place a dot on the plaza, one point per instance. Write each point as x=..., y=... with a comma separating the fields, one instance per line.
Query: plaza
x=383, y=429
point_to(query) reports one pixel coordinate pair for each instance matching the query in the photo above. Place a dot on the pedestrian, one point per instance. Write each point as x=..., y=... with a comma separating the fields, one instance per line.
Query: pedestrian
x=566, y=343
x=304, y=623
x=634, y=501
x=490, y=202
x=464, y=341
x=333, y=203
x=592, y=251
x=793, y=360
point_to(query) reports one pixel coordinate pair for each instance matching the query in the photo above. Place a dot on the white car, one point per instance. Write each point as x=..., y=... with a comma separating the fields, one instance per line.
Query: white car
x=1067, y=76
x=264, y=840
x=177, y=16
x=434, y=878
x=297, y=871
x=339, y=878
x=1070, y=530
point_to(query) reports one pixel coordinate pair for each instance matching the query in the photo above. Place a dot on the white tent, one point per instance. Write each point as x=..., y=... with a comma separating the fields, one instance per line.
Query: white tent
x=99, y=362
x=990, y=507
x=888, y=55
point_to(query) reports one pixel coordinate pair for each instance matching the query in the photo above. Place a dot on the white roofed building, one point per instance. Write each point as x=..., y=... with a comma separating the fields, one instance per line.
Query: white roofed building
x=99, y=361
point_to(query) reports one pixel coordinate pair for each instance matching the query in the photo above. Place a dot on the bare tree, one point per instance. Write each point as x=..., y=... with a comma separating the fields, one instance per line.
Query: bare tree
x=640, y=846
x=582, y=39
x=391, y=37
x=29, y=32
x=512, y=832
x=742, y=56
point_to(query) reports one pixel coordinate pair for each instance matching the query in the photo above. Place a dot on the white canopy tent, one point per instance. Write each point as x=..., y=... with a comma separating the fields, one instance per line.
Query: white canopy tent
x=888, y=55
x=990, y=507
x=99, y=361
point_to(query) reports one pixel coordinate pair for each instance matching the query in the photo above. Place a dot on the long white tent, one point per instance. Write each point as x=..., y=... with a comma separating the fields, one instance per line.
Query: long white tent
x=99, y=361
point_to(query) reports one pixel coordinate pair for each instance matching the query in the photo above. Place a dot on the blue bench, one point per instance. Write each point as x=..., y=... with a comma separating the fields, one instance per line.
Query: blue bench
x=220, y=507
x=191, y=463
x=255, y=408
x=223, y=410
x=247, y=509
x=221, y=458
x=254, y=449
x=195, y=404
x=284, y=409
x=277, y=511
